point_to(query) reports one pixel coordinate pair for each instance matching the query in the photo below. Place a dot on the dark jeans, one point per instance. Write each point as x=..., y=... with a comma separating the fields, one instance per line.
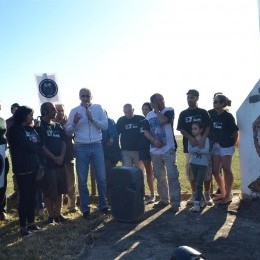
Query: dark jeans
x=27, y=192
x=3, y=189
x=199, y=172
x=3, y=196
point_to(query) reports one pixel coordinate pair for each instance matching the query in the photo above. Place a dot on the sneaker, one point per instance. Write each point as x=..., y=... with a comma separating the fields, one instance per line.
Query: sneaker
x=191, y=199
x=86, y=214
x=26, y=233
x=161, y=204
x=3, y=216
x=105, y=210
x=13, y=196
x=51, y=221
x=196, y=206
x=33, y=228
x=175, y=209
x=151, y=199
x=73, y=210
x=208, y=199
x=60, y=219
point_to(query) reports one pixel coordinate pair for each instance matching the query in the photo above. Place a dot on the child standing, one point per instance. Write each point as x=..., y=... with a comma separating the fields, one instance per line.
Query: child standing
x=198, y=164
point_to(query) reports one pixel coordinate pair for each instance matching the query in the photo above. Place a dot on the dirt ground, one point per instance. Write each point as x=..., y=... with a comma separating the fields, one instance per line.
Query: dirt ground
x=218, y=232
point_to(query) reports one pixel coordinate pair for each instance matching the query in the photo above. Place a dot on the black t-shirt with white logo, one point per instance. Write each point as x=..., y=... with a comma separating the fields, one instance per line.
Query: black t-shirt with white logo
x=187, y=118
x=223, y=127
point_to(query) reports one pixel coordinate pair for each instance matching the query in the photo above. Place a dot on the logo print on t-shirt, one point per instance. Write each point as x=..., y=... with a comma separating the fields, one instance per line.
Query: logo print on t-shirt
x=217, y=125
x=191, y=119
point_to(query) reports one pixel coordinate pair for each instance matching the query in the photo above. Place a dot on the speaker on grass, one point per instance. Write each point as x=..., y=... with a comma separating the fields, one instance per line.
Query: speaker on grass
x=127, y=193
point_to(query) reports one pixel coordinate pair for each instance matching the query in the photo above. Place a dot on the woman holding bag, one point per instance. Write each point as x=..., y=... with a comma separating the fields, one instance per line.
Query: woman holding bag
x=25, y=146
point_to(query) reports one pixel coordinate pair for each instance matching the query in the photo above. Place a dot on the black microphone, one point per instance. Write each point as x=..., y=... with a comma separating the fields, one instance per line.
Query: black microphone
x=88, y=106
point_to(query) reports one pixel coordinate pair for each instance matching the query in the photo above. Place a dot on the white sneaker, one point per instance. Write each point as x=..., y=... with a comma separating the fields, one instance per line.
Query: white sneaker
x=196, y=206
x=152, y=199
x=191, y=200
x=208, y=199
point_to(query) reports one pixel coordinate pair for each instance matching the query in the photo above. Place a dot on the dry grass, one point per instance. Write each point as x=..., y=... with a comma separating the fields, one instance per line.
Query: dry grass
x=71, y=240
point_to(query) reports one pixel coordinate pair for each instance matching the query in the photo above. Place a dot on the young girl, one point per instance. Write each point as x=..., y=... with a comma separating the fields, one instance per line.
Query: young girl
x=198, y=164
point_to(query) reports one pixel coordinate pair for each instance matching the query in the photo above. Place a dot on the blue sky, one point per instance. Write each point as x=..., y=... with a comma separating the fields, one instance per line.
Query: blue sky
x=126, y=50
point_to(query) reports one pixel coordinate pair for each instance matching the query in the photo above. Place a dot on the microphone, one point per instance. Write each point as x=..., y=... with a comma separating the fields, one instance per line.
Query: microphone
x=88, y=106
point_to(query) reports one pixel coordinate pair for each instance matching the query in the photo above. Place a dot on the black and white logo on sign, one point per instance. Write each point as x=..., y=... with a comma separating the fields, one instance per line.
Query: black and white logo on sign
x=48, y=88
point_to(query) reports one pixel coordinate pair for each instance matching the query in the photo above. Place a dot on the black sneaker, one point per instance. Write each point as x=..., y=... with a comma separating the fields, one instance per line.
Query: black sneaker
x=86, y=214
x=51, y=221
x=105, y=210
x=33, y=228
x=26, y=233
x=3, y=216
x=61, y=219
x=13, y=196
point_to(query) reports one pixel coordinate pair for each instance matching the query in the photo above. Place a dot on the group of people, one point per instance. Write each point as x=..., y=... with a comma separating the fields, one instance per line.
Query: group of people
x=97, y=142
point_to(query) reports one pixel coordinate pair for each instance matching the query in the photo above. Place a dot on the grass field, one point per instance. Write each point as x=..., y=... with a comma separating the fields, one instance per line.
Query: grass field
x=72, y=240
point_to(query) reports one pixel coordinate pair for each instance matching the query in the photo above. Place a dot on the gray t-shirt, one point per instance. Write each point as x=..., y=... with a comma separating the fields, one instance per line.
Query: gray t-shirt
x=198, y=155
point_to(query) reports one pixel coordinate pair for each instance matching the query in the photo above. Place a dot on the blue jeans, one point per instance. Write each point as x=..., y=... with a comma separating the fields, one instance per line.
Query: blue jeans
x=86, y=153
x=167, y=175
x=199, y=172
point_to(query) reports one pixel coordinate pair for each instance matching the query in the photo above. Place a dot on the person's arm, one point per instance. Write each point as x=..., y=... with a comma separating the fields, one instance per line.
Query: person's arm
x=72, y=122
x=205, y=148
x=101, y=121
x=193, y=149
x=112, y=131
x=201, y=142
x=59, y=159
x=152, y=139
x=190, y=138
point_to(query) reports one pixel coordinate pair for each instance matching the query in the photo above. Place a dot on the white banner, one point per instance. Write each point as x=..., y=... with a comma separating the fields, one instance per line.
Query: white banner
x=2, y=165
x=48, y=90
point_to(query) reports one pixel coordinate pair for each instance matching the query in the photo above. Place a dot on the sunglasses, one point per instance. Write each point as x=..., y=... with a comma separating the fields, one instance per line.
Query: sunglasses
x=87, y=96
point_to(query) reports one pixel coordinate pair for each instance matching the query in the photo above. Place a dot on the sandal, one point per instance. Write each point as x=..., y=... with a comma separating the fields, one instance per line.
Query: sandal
x=225, y=201
x=217, y=198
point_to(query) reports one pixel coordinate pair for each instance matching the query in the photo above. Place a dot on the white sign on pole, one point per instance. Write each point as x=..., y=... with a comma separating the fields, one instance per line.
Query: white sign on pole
x=2, y=165
x=48, y=90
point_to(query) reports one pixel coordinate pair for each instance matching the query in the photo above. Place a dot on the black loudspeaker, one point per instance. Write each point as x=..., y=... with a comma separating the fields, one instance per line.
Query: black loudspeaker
x=127, y=193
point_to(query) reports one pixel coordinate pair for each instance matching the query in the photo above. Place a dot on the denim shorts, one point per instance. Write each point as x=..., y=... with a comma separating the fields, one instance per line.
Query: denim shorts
x=222, y=151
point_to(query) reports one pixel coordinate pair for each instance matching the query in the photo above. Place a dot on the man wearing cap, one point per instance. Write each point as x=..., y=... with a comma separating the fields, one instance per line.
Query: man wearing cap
x=187, y=117
x=9, y=123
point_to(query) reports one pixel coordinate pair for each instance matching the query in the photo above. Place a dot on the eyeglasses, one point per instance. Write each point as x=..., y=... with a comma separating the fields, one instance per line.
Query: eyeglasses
x=216, y=102
x=87, y=96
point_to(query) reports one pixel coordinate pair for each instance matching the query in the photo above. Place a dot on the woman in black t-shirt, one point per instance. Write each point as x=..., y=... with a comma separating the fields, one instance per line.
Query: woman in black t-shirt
x=224, y=137
x=25, y=146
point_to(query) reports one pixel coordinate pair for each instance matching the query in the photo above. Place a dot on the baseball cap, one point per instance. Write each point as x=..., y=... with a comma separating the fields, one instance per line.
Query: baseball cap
x=193, y=92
